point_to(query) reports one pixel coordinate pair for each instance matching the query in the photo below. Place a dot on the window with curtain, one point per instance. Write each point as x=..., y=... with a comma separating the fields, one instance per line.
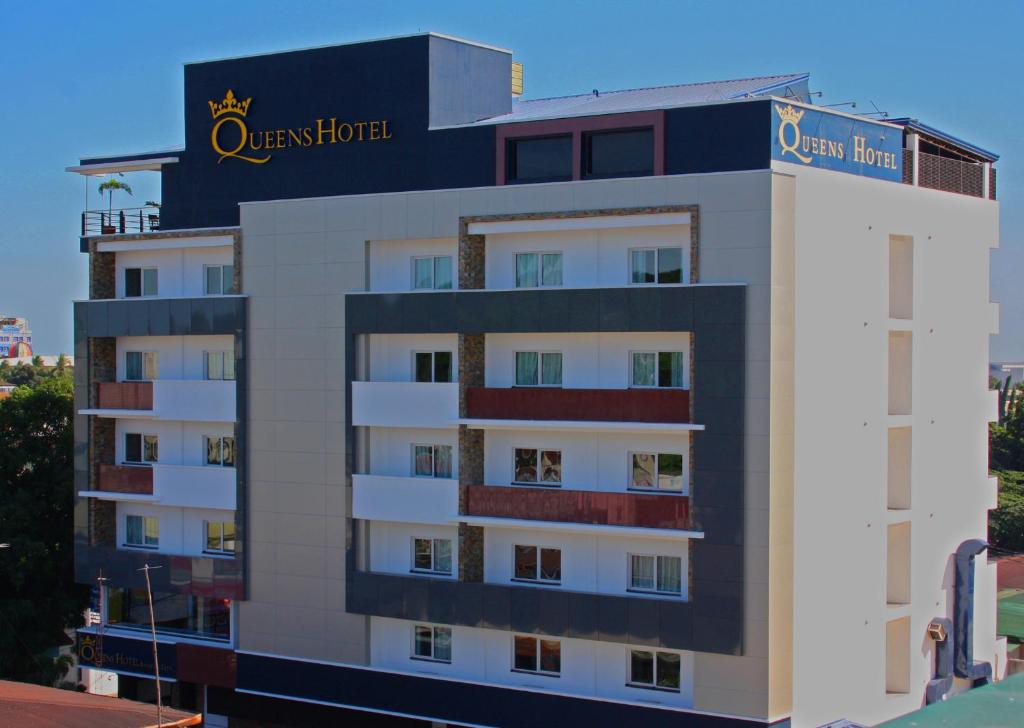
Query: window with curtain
x=219, y=279
x=535, y=270
x=652, y=266
x=533, y=466
x=657, y=369
x=536, y=654
x=432, y=555
x=432, y=643
x=657, y=471
x=661, y=574
x=142, y=531
x=654, y=669
x=432, y=272
x=432, y=461
x=538, y=368
x=140, y=366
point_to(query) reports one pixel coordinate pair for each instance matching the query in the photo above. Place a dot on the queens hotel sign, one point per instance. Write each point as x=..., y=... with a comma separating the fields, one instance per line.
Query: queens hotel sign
x=841, y=143
x=231, y=137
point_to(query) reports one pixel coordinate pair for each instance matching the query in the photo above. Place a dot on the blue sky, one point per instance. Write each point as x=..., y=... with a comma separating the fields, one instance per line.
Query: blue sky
x=92, y=78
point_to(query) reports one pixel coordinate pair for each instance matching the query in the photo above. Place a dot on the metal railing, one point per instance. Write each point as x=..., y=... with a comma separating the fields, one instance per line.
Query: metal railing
x=120, y=221
x=950, y=175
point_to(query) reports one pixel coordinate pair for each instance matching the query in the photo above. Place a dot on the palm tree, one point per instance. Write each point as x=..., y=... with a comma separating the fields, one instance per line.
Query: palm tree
x=109, y=186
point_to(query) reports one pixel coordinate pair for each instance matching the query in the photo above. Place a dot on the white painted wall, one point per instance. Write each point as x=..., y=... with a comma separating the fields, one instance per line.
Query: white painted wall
x=178, y=357
x=843, y=228
x=391, y=261
x=589, y=668
x=206, y=401
x=180, y=443
x=596, y=564
x=589, y=257
x=589, y=360
x=181, y=529
x=391, y=545
x=409, y=500
x=395, y=404
x=590, y=460
x=196, y=486
x=390, y=448
x=179, y=272
x=392, y=355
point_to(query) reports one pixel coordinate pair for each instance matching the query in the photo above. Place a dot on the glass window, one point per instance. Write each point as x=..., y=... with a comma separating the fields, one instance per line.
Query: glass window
x=661, y=471
x=149, y=449
x=432, y=366
x=548, y=374
x=194, y=616
x=219, y=364
x=140, y=282
x=220, y=279
x=526, y=461
x=140, y=448
x=140, y=366
x=662, y=574
x=432, y=461
x=220, y=451
x=433, y=555
x=432, y=643
x=142, y=531
x=618, y=153
x=538, y=269
x=526, y=270
x=658, y=369
x=149, y=287
x=432, y=272
x=539, y=159
x=533, y=563
x=220, y=537
x=654, y=669
x=535, y=654
x=656, y=265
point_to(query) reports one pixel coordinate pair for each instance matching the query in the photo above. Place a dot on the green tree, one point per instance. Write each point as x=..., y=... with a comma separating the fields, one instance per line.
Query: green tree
x=37, y=361
x=21, y=374
x=38, y=596
x=1006, y=523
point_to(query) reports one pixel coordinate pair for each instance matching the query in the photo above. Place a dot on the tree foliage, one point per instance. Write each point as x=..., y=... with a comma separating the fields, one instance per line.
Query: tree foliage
x=1006, y=459
x=38, y=596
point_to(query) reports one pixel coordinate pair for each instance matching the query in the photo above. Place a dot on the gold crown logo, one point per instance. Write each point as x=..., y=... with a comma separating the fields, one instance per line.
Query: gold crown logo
x=789, y=115
x=230, y=105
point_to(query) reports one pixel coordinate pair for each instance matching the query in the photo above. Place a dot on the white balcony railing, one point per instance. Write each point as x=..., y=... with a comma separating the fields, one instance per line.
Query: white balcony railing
x=199, y=401
x=405, y=404
x=407, y=500
x=195, y=486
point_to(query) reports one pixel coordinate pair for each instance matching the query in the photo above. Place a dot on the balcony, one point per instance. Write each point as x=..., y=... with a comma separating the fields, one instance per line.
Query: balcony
x=647, y=406
x=125, y=479
x=636, y=510
x=168, y=399
x=405, y=404
x=121, y=221
x=404, y=499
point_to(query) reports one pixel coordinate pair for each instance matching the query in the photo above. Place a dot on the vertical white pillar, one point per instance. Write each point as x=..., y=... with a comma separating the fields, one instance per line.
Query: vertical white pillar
x=914, y=145
x=986, y=178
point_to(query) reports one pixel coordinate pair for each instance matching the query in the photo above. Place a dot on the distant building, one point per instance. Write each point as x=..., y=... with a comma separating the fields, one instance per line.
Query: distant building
x=15, y=337
x=1001, y=370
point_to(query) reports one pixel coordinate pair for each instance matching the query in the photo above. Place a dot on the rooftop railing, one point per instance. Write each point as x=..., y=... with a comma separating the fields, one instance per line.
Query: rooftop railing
x=120, y=221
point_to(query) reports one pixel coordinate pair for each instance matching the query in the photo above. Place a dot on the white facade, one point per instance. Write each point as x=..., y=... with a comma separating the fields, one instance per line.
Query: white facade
x=179, y=443
x=392, y=356
x=391, y=261
x=180, y=272
x=178, y=357
x=181, y=529
x=391, y=546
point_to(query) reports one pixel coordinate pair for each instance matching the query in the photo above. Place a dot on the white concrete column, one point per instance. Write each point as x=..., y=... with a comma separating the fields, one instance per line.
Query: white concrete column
x=913, y=141
x=986, y=176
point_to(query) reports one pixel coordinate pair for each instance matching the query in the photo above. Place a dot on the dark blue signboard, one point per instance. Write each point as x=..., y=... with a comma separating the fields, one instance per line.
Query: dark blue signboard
x=815, y=138
x=126, y=655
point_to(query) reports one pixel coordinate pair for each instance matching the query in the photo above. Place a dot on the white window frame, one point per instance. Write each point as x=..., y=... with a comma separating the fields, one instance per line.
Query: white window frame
x=142, y=449
x=150, y=360
x=536, y=655
x=538, y=482
x=433, y=643
x=683, y=272
x=433, y=272
x=640, y=590
x=225, y=357
x=433, y=556
x=684, y=375
x=654, y=669
x=540, y=368
x=142, y=281
x=221, y=551
x=433, y=461
x=145, y=519
x=206, y=279
x=206, y=450
x=537, y=578
x=433, y=366
x=657, y=459
x=540, y=268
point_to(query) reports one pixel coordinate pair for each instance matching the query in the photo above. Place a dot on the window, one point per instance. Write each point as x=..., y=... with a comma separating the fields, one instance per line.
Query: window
x=533, y=563
x=220, y=537
x=219, y=279
x=658, y=670
x=538, y=269
x=140, y=448
x=140, y=366
x=142, y=531
x=536, y=654
x=219, y=364
x=658, y=369
x=432, y=461
x=432, y=643
x=433, y=366
x=526, y=466
x=432, y=272
x=203, y=617
x=621, y=153
x=220, y=451
x=659, y=574
x=656, y=471
x=656, y=265
x=139, y=282
x=432, y=555
x=547, y=374
x=540, y=159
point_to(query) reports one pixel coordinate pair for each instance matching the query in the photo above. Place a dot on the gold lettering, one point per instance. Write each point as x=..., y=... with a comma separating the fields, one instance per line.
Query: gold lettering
x=374, y=130
x=268, y=139
x=244, y=135
x=293, y=137
x=841, y=155
x=307, y=137
x=359, y=125
x=858, y=149
x=341, y=131
x=280, y=137
x=869, y=156
x=831, y=148
x=320, y=131
x=385, y=134
x=252, y=141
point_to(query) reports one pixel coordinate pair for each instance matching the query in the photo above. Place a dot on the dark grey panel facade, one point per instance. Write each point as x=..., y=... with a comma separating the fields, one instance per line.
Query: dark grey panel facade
x=712, y=619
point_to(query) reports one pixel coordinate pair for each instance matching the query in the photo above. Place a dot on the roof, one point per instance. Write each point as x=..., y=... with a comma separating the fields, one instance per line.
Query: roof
x=28, y=706
x=991, y=705
x=916, y=125
x=656, y=97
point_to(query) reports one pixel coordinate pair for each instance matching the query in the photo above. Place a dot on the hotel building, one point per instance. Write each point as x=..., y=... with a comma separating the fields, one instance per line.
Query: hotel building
x=436, y=404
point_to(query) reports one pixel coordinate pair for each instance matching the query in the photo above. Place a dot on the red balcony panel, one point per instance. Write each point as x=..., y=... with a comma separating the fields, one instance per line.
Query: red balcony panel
x=135, y=479
x=599, y=405
x=125, y=395
x=207, y=665
x=645, y=510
